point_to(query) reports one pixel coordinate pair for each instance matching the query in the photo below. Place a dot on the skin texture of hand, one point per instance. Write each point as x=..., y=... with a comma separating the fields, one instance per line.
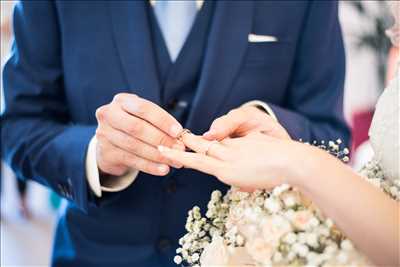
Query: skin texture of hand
x=253, y=161
x=243, y=121
x=129, y=130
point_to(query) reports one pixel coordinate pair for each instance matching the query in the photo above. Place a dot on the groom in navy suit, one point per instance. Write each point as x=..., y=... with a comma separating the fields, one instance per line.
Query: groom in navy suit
x=91, y=89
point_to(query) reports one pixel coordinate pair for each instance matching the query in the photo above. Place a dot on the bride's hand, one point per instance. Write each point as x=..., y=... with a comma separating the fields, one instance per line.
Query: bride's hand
x=250, y=162
x=243, y=121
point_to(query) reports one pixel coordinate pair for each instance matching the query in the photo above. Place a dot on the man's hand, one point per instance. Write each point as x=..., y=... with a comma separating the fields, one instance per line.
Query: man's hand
x=243, y=121
x=129, y=130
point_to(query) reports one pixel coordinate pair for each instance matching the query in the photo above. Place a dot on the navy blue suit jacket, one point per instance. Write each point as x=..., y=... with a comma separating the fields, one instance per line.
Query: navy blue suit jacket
x=71, y=57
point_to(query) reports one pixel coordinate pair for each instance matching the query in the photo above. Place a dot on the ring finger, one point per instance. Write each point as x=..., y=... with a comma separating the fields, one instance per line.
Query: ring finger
x=200, y=145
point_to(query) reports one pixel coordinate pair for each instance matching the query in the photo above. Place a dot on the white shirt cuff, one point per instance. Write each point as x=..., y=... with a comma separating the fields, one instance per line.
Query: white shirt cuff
x=112, y=184
x=263, y=105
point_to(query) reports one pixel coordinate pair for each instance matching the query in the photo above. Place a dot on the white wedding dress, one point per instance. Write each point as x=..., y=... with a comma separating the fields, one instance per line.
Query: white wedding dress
x=384, y=131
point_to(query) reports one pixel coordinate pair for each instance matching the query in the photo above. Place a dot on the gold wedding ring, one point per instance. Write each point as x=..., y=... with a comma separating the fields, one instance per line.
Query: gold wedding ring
x=209, y=147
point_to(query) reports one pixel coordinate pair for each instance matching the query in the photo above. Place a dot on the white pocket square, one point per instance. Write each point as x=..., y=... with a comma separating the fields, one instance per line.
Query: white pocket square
x=255, y=38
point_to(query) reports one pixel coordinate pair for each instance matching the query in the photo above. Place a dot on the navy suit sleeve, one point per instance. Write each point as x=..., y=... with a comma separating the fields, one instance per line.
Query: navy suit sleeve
x=314, y=108
x=39, y=140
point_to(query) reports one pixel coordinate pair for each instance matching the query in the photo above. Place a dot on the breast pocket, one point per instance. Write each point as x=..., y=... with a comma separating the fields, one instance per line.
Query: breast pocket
x=268, y=54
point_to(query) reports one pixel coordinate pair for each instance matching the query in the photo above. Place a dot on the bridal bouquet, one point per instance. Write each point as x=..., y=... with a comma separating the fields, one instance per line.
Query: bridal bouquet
x=266, y=228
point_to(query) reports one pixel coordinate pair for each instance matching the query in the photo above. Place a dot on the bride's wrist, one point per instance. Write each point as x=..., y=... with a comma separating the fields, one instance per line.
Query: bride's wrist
x=304, y=165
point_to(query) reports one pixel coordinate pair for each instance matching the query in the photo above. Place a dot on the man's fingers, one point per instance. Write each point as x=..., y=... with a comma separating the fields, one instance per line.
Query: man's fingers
x=143, y=165
x=192, y=160
x=116, y=156
x=132, y=145
x=136, y=127
x=151, y=113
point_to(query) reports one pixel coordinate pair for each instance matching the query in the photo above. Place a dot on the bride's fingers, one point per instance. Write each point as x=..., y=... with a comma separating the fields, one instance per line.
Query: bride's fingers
x=192, y=160
x=200, y=145
x=195, y=143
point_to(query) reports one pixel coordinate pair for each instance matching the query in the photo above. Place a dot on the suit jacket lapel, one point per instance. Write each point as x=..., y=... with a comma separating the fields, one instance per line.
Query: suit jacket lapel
x=225, y=50
x=132, y=35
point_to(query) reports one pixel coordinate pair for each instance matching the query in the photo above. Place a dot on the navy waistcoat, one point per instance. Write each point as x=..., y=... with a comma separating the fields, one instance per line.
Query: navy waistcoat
x=179, y=79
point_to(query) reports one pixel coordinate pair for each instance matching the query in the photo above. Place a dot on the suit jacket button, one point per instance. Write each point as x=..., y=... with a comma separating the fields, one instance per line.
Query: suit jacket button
x=164, y=244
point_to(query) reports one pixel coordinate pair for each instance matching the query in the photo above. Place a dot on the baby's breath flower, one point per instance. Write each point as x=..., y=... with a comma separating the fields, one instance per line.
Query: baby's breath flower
x=277, y=257
x=342, y=257
x=314, y=222
x=195, y=257
x=301, y=238
x=259, y=201
x=329, y=223
x=239, y=240
x=289, y=201
x=178, y=259
x=281, y=189
x=290, y=238
x=272, y=205
x=346, y=245
x=330, y=249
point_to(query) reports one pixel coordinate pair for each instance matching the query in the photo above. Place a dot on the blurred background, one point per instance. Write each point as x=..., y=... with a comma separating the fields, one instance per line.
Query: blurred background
x=28, y=211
